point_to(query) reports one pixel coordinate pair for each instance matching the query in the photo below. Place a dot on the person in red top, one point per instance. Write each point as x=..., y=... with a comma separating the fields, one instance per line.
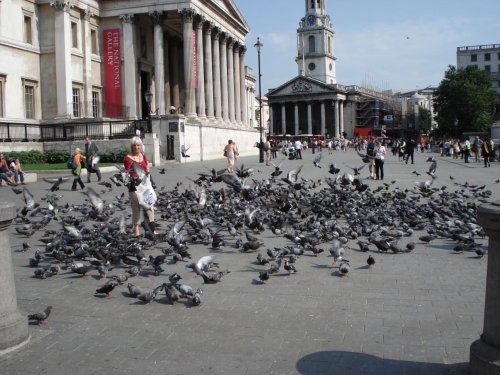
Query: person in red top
x=5, y=173
x=136, y=155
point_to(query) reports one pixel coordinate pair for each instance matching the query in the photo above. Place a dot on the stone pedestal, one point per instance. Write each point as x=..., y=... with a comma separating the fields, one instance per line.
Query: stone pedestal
x=485, y=352
x=13, y=326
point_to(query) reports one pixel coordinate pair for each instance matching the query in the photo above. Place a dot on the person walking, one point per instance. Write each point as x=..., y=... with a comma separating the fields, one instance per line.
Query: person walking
x=410, y=150
x=466, y=150
x=77, y=170
x=138, y=157
x=91, y=153
x=298, y=148
x=380, y=151
x=267, y=151
x=486, y=151
x=231, y=153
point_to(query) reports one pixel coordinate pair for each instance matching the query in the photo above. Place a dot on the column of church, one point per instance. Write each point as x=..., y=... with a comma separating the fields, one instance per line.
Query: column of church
x=243, y=98
x=62, y=35
x=87, y=63
x=230, y=76
x=341, y=115
x=271, y=123
x=187, y=36
x=323, y=118
x=296, y=117
x=237, y=84
x=336, y=118
x=283, y=118
x=309, y=118
x=223, y=76
x=130, y=68
x=157, y=18
x=166, y=84
x=200, y=69
x=176, y=93
x=209, y=88
x=217, y=75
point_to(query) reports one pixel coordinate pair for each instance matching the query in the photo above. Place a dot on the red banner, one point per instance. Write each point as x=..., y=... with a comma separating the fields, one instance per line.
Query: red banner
x=112, y=73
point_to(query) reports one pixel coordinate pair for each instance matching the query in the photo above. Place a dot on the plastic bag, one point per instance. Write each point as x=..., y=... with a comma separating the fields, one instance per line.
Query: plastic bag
x=146, y=195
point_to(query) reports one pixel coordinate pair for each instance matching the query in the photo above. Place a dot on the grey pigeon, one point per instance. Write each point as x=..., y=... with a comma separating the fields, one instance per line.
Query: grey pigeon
x=41, y=317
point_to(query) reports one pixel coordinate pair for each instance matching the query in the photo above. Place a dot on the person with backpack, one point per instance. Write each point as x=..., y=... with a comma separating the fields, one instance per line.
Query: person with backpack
x=91, y=154
x=370, y=152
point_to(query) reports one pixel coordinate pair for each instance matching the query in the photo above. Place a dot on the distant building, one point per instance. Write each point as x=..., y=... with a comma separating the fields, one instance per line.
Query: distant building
x=485, y=57
x=411, y=102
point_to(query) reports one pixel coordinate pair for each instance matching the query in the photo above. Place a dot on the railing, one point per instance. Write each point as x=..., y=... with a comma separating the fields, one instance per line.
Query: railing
x=71, y=130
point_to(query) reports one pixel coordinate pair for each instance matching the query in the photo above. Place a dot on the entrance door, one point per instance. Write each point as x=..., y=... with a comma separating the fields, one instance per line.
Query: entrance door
x=145, y=85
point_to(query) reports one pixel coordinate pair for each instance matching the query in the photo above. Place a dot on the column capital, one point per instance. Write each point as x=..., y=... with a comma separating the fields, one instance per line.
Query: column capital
x=62, y=5
x=230, y=43
x=187, y=15
x=223, y=38
x=243, y=50
x=217, y=33
x=87, y=14
x=156, y=17
x=209, y=26
x=127, y=18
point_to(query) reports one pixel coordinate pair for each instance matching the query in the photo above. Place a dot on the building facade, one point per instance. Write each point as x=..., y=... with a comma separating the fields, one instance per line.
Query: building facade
x=86, y=59
x=485, y=57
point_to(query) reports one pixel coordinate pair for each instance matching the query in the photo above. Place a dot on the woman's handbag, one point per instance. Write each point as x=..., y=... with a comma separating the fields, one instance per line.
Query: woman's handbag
x=225, y=153
x=146, y=195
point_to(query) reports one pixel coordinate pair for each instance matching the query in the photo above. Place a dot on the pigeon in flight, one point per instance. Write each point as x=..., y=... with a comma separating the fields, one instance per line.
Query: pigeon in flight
x=432, y=169
x=317, y=159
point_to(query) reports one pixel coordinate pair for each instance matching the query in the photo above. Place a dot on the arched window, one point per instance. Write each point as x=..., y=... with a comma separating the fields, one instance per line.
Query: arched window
x=312, y=44
x=312, y=4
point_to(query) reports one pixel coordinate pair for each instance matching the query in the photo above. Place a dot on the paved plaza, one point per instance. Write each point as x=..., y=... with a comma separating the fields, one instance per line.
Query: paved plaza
x=410, y=313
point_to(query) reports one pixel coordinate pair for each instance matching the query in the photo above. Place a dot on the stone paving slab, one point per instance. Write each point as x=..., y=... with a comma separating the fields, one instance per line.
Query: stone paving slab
x=410, y=313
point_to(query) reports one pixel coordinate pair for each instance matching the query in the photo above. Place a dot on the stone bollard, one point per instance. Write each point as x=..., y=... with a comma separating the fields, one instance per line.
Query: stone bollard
x=485, y=352
x=13, y=326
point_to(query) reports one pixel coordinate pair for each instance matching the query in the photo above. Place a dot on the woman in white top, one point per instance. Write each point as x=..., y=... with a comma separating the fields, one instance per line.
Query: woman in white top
x=379, y=160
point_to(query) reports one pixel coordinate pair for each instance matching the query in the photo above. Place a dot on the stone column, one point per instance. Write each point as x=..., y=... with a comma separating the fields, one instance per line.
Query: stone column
x=130, y=68
x=62, y=35
x=13, y=326
x=176, y=92
x=167, y=86
x=157, y=18
x=296, y=117
x=336, y=118
x=485, y=352
x=271, y=120
x=200, y=70
x=187, y=35
x=217, y=78
x=237, y=84
x=252, y=108
x=87, y=63
x=283, y=118
x=341, y=116
x=309, y=118
x=209, y=87
x=323, y=121
x=243, y=99
x=230, y=75
x=223, y=75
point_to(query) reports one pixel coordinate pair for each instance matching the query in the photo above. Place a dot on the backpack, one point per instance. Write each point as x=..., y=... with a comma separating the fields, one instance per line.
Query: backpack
x=370, y=149
x=266, y=146
x=71, y=163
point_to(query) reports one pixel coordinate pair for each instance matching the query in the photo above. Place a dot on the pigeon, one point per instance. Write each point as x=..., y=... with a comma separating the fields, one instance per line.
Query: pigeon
x=337, y=251
x=41, y=317
x=432, y=169
x=107, y=288
x=55, y=182
x=317, y=159
x=95, y=199
x=370, y=261
x=344, y=267
x=262, y=260
x=29, y=199
x=134, y=290
x=289, y=267
x=263, y=276
x=197, y=297
x=149, y=296
x=333, y=169
x=480, y=252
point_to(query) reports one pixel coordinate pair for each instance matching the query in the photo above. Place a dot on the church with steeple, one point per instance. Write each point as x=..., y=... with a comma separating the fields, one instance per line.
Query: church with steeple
x=313, y=102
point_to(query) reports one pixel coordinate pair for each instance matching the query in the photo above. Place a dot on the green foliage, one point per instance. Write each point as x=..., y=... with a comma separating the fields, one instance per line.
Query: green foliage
x=425, y=120
x=464, y=101
x=57, y=157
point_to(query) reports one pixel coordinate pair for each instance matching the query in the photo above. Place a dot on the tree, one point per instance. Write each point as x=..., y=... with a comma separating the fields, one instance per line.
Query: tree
x=424, y=118
x=464, y=101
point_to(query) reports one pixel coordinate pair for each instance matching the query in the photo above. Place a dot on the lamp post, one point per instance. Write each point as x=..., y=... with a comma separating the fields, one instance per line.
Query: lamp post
x=148, y=96
x=259, y=45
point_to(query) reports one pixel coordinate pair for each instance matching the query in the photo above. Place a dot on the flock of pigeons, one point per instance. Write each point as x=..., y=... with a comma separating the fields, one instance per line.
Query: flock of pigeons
x=217, y=211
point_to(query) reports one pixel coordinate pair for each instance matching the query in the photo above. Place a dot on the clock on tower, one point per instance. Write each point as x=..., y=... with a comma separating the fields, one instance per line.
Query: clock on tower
x=311, y=20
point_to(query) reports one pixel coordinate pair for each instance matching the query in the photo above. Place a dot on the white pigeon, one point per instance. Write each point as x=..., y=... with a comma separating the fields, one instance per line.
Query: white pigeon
x=337, y=251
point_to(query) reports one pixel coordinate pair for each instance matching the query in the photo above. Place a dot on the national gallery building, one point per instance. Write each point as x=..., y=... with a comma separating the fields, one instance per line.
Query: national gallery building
x=179, y=66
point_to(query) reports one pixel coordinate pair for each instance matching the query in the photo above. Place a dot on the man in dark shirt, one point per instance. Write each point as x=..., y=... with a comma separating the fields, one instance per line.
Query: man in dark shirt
x=410, y=150
x=91, y=153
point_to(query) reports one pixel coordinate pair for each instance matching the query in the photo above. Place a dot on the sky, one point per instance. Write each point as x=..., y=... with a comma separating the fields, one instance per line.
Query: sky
x=381, y=44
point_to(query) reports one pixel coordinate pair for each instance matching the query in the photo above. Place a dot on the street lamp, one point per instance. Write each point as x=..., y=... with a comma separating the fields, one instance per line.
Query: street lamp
x=148, y=97
x=259, y=45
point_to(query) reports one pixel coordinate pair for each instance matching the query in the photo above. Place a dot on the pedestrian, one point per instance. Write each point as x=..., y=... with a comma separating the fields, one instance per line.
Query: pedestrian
x=5, y=173
x=370, y=152
x=138, y=157
x=402, y=150
x=476, y=147
x=267, y=150
x=298, y=148
x=410, y=150
x=486, y=151
x=78, y=158
x=231, y=153
x=91, y=154
x=379, y=160
x=274, y=148
x=314, y=145
x=466, y=150
x=15, y=167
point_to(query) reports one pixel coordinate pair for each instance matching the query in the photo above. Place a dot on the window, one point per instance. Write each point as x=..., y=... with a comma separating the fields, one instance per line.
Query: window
x=498, y=57
x=312, y=42
x=312, y=4
x=74, y=34
x=473, y=58
x=487, y=68
x=77, y=110
x=2, y=95
x=95, y=104
x=312, y=66
x=487, y=57
x=28, y=37
x=93, y=41
x=29, y=101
